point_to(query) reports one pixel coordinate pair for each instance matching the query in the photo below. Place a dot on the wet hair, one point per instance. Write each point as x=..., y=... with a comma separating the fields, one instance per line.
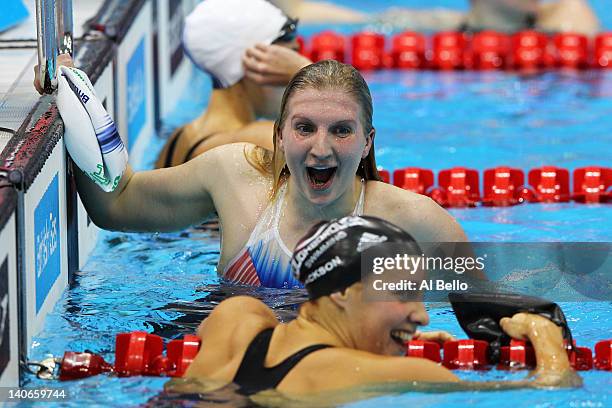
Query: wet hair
x=327, y=74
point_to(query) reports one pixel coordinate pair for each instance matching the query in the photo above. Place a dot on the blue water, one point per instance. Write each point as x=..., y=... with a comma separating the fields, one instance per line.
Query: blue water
x=166, y=283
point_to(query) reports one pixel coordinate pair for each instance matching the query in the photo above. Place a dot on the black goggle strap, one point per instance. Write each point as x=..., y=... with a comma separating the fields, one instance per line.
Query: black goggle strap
x=288, y=31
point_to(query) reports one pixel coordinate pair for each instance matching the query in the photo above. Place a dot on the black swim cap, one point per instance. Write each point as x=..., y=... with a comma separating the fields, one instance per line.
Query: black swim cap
x=328, y=258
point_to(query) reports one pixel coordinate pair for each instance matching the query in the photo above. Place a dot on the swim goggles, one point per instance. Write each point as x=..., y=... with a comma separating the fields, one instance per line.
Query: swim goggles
x=288, y=31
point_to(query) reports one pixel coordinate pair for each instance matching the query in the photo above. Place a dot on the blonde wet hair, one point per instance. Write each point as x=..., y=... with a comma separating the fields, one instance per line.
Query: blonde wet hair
x=327, y=74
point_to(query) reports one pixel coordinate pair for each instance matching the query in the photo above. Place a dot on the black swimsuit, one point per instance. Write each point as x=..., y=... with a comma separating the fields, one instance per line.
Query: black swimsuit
x=253, y=376
x=172, y=147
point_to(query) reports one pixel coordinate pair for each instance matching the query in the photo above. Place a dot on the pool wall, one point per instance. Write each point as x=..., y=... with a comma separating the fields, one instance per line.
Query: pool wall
x=132, y=52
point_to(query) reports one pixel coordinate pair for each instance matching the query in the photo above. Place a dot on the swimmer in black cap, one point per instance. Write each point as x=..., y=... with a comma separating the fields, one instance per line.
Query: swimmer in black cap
x=339, y=340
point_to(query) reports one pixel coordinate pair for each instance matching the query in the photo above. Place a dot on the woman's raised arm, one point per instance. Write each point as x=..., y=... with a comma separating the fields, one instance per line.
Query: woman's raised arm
x=157, y=200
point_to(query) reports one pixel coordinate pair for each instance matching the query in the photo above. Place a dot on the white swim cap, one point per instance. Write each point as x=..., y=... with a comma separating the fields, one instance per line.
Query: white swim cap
x=218, y=32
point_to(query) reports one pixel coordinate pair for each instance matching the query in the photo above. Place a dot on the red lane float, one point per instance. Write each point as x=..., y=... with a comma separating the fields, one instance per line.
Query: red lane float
x=414, y=179
x=550, y=184
x=603, y=51
x=139, y=353
x=75, y=366
x=529, y=50
x=459, y=187
x=581, y=358
x=385, y=176
x=591, y=184
x=572, y=50
x=518, y=355
x=448, y=51
x=603, y=355
x=502, y=186
x=135, y=353
x=486, y=50
x=490, y=50
x=466, y=354
x=327, y=45
x=408, y=50
x=423, y=349
x=181, y=353
x=368, y=50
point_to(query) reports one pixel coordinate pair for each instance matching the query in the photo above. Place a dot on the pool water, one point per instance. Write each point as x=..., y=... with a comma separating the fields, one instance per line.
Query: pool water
x=167, y=283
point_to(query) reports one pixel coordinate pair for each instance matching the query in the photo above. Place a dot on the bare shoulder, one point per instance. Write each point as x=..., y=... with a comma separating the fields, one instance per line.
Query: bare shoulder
x=229, y=159
x=236, y=311
x=336, y=368
x=244, y=305
x=419, y=215
x=234, y=183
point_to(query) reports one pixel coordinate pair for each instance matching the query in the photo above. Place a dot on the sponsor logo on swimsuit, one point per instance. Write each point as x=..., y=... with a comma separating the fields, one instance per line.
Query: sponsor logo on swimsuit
x=46, y=242
x=368, y=240
x=324, y=269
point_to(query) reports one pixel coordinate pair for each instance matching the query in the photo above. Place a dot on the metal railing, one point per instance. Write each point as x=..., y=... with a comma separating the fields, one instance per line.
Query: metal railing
x=54, y=26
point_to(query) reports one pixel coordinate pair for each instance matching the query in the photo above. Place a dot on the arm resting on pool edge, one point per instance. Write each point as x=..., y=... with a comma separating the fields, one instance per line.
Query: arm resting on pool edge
x=158, y=200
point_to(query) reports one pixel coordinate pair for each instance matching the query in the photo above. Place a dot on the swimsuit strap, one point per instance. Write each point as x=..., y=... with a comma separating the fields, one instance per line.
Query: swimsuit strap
x=361, y=202
x=253, y=376
x=172, y=147
x=195, y=146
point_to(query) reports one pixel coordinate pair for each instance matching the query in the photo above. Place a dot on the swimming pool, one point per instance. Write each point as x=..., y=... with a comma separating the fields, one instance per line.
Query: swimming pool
x=163, y=283
x=166, y=283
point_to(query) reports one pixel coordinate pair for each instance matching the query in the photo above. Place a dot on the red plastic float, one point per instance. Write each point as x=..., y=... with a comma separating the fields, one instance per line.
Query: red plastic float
x=529, y=50
x=384, y=175
x=135, y=352
x=603, y=355
x=81, y=365
x=519, y=354
x=490, y=50
x=502, y=186
x=327, y=45
x=414, y=179
x=423, y=349
x=572, y=50
x=466, y=354
x=603, y=50
x=551, y=184
x=460, y=186
x=181, y=353
x=581, y=358
x=448, y=50
x=368, y=50
x=408, y=50
x=139, y=353
x=591, y=184
x=486, y=50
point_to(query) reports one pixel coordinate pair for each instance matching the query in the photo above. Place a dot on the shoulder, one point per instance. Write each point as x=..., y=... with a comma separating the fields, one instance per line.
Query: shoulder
x=331, y=367
x=419, y=215
x=236, y=311
x=229, y=157
x=226, y=172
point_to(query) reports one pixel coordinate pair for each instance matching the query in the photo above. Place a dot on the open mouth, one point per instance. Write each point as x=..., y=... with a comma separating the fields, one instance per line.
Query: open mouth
x=321, y=177
x=401, y=337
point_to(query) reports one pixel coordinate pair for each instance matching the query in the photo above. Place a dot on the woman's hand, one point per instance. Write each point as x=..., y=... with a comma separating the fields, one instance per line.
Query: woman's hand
x=272, y=64
x=62, y=59
x=439, y=337
x=553, y=368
